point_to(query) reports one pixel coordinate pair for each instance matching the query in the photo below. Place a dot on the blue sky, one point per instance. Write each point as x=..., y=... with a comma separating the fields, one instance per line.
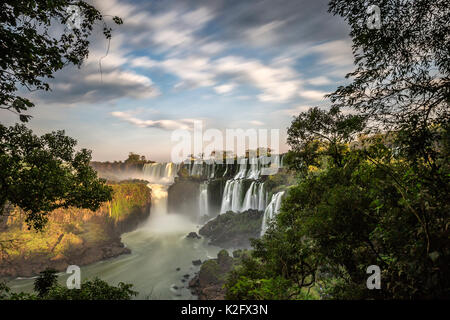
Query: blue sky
x=231, y=64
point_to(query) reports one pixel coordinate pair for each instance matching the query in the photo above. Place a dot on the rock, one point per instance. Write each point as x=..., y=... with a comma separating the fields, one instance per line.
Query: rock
x=197, y=262
x=208, y=283
x=193, y=235
x=233, y=230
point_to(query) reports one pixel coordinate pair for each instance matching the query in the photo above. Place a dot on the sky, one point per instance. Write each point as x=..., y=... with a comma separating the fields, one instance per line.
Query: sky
x=230, y=64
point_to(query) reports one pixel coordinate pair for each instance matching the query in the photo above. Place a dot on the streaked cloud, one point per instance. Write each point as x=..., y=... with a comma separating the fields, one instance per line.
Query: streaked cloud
x=166, y=124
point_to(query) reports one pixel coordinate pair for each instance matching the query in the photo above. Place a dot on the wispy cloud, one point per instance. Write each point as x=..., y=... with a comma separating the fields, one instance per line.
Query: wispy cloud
x=166, y=124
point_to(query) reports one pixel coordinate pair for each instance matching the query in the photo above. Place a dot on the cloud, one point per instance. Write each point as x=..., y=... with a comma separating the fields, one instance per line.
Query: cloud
x=225, y=88
x=265, y=34
x=256, y=123
x=296, y=110
x=312, y=95
x=165, y=124
x=319, y=81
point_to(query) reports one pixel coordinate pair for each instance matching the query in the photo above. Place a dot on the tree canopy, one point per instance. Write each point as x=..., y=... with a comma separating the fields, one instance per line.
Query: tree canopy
x=40, y=174
x=36, y=42
x=373, y=186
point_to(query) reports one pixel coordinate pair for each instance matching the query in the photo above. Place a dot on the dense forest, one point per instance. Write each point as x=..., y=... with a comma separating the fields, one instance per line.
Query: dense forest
x=373, y=173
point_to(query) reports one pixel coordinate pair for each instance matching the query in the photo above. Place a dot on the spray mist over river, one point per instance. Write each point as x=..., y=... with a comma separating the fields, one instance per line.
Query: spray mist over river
x=158, y=247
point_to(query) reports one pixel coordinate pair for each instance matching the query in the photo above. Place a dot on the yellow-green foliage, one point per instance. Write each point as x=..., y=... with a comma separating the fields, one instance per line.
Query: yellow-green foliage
x=126, y=198
x=71, y=228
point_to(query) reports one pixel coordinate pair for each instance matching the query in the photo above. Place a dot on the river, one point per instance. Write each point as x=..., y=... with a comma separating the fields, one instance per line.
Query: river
x=158, y=247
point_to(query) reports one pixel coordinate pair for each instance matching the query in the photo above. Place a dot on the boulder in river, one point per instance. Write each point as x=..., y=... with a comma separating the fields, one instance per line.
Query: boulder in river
x=193, y=235
x=197, y=262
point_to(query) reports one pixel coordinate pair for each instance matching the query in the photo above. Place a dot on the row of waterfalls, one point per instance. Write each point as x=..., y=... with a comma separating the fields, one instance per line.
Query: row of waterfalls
x=244, y=187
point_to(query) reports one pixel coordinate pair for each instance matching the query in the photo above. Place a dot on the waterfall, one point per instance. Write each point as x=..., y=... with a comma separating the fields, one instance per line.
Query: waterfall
x=231, y=200
x=197, y=168
x=271, y=211
x=159, y=199
x=262, y=197
x=254, y=197
x=255, y=166
x=203, y=199
x=242, y=169
x=160, y=173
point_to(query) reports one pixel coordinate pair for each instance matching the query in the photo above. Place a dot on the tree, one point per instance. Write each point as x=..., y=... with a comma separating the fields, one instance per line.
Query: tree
x=381, y=198
x=45, y=281
x=318, y=132
x=41, y=174
x=32, y=49
x=402, y=76
x=47, y=288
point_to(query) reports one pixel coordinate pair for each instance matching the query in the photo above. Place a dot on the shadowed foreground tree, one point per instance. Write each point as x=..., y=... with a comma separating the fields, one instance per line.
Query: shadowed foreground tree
x=47, y=288
x=378, y=199
x=39, y=38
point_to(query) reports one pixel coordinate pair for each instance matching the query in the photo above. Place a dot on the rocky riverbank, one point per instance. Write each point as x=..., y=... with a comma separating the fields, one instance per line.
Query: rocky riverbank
x=72, y=236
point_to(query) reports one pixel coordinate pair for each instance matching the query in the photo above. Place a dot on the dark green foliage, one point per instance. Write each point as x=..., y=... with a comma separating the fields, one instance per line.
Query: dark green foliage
x=92, y=290
x=46, y=280
x=41, y=174
x=31, y=50
x=374, y=186
x=402, y=70
x=47, y=288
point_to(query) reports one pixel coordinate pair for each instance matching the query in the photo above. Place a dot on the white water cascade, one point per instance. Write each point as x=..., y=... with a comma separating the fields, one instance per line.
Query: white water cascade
x=242, y=169
x=160, y=173
x=255, y=197
x=203, y=199
x=271, y=211
x=231, y=200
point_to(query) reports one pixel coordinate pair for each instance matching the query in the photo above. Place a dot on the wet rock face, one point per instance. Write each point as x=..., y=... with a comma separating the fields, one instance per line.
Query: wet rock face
x=233, y=230
x=182, y=196
x=197, y=262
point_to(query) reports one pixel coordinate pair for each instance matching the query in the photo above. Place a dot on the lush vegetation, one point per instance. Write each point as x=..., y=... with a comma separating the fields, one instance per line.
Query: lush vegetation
x=41, y=174
x=70, y=230
x=46, y=287
x=373, y=182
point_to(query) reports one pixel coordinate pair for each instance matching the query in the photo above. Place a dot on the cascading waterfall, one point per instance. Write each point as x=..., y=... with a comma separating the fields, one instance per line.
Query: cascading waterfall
x=160, y=173
x=203, y=200
x=197, y=168
x=271, y=211
x=159, y=199
x=242, y=169
x=254, y=197
x=231, y=200
x=255, y=168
